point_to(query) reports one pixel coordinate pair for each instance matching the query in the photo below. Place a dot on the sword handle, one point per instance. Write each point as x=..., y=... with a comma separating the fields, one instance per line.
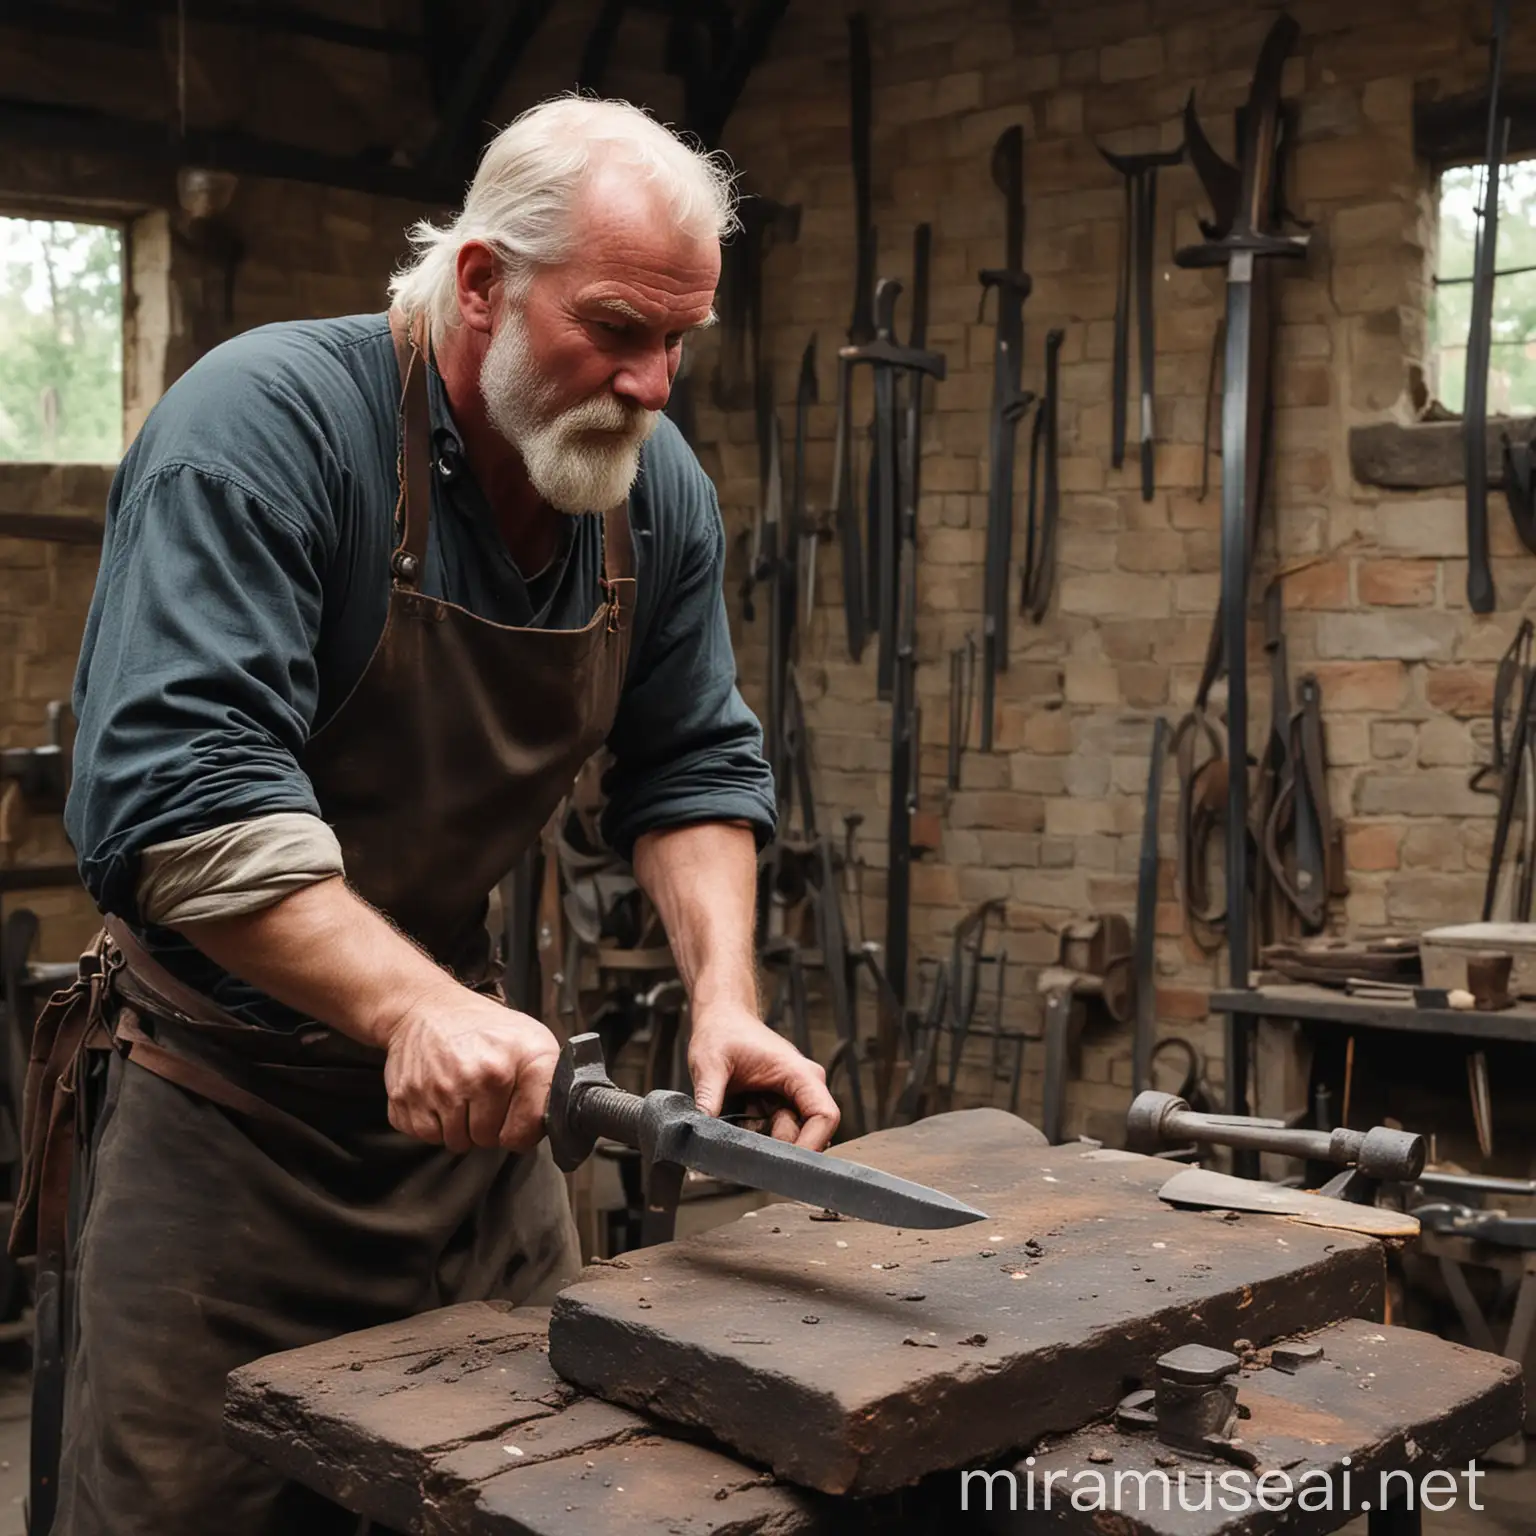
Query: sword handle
x=610, y=1112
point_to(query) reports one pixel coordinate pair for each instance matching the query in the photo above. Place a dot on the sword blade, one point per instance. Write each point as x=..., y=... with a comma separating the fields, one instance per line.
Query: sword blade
x=726, y=1151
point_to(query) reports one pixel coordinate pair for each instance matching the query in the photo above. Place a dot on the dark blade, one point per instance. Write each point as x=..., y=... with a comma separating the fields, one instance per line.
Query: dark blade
x=726, y=1151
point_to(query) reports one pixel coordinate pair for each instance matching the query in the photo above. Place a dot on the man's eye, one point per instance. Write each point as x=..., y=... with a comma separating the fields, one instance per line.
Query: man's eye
x=612, y=327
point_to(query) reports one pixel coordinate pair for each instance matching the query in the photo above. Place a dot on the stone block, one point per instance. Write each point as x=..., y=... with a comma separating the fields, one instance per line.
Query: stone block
x=846, y=1405
x=1428, y=900
x=1405, y=636
x=1374, y=686
x=1372, y=845
x=1434, y=845
x=1119, y=595
x=1324, y=585
x=1137, y=58
x=1461, y=691
x=1398, y=583
x=1420, y=792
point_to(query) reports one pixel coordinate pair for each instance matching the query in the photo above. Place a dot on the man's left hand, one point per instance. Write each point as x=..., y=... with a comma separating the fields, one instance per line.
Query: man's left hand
x=732, y=1050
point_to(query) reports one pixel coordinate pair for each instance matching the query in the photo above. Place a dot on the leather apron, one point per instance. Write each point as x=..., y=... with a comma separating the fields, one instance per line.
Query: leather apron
x=245, y=1192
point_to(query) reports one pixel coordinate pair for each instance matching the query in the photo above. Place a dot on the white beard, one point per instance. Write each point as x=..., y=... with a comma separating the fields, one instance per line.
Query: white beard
x=583, y=459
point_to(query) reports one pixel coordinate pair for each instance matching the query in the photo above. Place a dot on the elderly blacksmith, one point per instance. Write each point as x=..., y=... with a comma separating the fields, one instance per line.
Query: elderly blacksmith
x=372, y=591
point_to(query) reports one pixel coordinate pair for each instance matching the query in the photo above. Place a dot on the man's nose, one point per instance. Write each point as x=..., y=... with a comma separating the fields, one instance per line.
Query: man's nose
x=646, y=380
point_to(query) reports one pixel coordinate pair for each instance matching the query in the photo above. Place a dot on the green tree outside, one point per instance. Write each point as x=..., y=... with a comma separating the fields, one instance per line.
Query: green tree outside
x=61, y=341
x=1512, y=373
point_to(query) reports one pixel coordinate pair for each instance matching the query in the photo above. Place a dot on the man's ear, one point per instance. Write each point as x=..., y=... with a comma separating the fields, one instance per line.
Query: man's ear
x=479, y=282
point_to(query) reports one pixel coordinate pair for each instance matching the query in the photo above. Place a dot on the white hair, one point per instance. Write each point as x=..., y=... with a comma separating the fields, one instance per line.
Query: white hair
x=528, y=181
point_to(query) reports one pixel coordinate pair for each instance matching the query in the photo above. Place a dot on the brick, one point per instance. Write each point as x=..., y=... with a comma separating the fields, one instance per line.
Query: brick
x=1392, y=741
x=1435, y=845
x=1420, y=792
x=1091, y=682
x=1153, y=550
x=1460, y=691
x=1445, y=743
x=1372, y=845
x=1183, y=1003
x=997, y=808
x=1407, y=636
x=934, y=885
x=1117, y=595
x=1398, y=583
x=1426, y=900
x=1375, y=686
x=1138, y=58
x=1325, y=585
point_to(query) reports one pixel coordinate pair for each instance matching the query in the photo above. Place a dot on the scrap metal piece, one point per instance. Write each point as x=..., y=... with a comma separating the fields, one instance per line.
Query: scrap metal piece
x=674, y=1135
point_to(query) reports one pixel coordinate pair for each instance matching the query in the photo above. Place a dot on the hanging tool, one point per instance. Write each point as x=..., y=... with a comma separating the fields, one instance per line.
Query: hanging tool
x=804, y=536
x=861, y=330
x=898, y=611
x=1009, y=403
x=962, y=700
x=1146, y=915
x=1136, y=274
x=1044, y=450
x=1244, y=240
x=1474, y=416
x=673, y=1135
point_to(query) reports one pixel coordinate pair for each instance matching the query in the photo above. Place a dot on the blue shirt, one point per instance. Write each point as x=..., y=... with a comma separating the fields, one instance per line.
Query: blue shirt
x=244, y=583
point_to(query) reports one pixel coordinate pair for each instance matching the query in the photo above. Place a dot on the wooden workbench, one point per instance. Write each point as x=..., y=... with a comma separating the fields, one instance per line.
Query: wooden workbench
x=1328, y=1006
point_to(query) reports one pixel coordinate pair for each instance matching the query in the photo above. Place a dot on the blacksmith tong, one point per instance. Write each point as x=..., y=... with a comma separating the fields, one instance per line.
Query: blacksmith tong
x=673, y=1135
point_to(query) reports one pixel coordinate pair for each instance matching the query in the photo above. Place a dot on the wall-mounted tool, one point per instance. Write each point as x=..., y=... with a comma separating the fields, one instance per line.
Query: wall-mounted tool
x=673, y=1135
x=1094, y=959
x=1244, y=239
x=1044, y=490
x=962, y=701
x=861, y=329
x=897, y=602
x=1138, y=261
x=1146, y=915
x=1474, y=415
x=1009, y=403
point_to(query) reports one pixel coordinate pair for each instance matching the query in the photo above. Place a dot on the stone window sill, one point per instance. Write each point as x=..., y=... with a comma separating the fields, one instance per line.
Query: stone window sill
x=1426, y=455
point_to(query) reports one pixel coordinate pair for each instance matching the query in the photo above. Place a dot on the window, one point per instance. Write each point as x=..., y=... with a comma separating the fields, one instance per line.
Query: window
x=61, y=341
x=1512, y=374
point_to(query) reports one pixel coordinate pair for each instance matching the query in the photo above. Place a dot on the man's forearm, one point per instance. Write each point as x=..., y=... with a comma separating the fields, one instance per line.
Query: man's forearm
x=703, y=880
x=326, y=952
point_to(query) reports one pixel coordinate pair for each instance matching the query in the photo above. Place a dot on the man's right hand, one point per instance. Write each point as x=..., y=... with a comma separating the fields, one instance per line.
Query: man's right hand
x=461, y=1070
x=465, y=1071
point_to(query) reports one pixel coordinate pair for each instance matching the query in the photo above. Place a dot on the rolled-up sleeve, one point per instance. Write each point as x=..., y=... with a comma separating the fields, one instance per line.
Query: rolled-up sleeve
x=686, y=748
x=197, y=679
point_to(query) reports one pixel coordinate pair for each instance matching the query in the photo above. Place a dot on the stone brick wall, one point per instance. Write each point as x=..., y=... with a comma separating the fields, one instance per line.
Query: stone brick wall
x=45, y=589
x=1050, y=820
x=1376, y=608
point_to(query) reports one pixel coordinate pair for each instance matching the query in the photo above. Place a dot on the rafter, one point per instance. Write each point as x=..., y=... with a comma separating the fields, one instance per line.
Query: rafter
x=488, y=65
x=42, y=126
x=133, y=25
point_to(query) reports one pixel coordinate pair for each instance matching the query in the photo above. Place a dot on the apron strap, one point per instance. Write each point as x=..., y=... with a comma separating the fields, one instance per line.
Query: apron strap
x=618, y=565
x=413, y=509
